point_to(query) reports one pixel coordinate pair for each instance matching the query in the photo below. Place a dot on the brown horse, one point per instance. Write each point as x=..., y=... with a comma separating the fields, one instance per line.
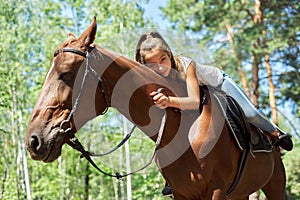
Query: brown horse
x=196, y=154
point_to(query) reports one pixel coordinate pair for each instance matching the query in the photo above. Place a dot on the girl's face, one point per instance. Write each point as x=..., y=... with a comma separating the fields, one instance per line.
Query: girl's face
x=159, y=61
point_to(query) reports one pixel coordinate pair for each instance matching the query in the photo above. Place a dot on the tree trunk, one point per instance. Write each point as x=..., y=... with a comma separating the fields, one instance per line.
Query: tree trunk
x=87, y=168
x=26, y=173
x=255, y=81
x=127, y=156
x=257, y=19
x=243, y=79
x=239, y=66
x=63, y=181
x=272, y=97
x=86, y=181
x=14, y=139
x=23, y=167
x=122, y=186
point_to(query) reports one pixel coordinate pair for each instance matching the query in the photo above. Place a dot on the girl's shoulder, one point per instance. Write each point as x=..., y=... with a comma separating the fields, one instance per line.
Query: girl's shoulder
x=185, y=62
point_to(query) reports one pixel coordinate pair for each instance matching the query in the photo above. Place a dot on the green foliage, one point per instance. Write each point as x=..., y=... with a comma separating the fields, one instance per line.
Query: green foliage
x=291, y=161
x=291, y=88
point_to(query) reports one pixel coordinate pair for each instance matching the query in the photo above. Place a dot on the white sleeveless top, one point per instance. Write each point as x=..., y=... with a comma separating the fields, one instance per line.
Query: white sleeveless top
x=206, y=75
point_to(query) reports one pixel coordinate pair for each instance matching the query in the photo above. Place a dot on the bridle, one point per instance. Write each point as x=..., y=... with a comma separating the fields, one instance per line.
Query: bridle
x=88, y=69
x=66, y=125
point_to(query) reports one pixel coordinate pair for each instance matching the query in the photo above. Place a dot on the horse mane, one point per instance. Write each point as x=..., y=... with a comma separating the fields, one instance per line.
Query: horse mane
x=114, y=55
x=129, y=62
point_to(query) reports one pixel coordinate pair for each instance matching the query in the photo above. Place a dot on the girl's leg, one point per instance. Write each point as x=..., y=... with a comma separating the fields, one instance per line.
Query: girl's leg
x=253, y=115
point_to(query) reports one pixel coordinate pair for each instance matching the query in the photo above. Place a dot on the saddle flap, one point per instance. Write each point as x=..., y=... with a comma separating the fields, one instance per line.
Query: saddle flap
x=246, y=135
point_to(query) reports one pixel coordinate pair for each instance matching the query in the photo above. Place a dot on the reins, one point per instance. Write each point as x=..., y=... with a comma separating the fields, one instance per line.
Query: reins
x=76, y=144
x=66, y=126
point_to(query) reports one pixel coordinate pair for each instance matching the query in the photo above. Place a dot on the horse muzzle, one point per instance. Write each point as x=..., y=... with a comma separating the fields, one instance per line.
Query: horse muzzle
x=45, y=148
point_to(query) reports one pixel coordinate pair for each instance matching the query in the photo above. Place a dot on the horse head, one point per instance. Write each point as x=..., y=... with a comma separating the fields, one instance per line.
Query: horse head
x=44, y=138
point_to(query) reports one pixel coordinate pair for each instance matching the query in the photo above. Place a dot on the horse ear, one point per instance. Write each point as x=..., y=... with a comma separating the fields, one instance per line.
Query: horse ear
x=89, y=35
x=71, y=36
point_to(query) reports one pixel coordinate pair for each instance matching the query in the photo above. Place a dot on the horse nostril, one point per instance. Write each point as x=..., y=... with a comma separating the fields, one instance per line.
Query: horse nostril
x=34, y=143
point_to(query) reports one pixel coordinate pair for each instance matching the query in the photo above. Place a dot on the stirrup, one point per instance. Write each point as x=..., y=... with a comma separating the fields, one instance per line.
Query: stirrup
x=167, y=191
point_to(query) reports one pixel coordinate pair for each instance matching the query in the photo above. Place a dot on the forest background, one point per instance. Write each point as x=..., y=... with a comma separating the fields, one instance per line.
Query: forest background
x=258, y=38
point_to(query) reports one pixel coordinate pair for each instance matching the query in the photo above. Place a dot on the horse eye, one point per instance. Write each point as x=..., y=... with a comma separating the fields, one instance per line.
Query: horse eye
x=63, y=75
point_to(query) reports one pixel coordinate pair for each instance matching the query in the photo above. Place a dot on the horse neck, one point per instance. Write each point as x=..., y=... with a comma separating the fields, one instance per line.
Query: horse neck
x=128, y=85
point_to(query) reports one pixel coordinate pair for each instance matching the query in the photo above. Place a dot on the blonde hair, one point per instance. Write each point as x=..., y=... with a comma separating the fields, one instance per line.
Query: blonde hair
x=154, y=40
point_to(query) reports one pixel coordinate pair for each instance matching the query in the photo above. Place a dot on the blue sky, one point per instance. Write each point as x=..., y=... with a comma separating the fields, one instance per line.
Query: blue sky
x=153, y=12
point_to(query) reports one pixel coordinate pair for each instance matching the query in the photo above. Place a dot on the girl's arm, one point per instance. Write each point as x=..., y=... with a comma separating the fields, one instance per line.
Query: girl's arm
x=191, y=102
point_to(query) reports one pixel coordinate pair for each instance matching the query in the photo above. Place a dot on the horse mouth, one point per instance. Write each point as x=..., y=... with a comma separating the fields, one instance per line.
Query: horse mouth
x=54, y=146
x=50, y=156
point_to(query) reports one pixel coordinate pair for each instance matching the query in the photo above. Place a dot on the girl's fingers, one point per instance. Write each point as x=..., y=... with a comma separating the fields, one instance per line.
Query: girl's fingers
x=153, y=93
x=158, y=97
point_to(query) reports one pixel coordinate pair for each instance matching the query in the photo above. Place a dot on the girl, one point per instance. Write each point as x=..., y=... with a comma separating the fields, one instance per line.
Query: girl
x=153, y=51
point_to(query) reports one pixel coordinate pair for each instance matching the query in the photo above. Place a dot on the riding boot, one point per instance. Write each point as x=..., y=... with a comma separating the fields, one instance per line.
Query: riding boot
x=167, y=191
x=284, y=141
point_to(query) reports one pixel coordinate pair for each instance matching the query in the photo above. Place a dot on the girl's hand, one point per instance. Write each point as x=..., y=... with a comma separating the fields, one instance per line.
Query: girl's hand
x=160, y=100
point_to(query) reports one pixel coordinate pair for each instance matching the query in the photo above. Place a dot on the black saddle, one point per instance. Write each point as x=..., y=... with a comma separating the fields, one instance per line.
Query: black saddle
x=246, y=135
